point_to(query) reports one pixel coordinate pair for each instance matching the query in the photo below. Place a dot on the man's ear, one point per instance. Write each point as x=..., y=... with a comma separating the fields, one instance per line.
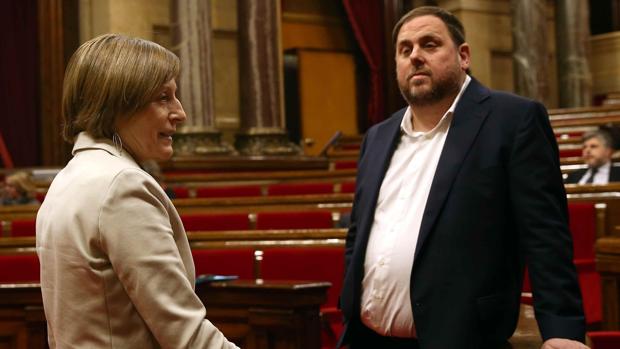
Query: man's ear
x=464, y=56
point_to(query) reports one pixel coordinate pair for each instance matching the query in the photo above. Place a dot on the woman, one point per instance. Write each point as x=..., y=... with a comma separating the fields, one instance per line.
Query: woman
x=116, y=266
x=19, y=190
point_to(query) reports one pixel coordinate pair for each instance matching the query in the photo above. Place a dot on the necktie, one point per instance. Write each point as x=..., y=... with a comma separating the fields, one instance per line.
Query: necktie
x=592, y=174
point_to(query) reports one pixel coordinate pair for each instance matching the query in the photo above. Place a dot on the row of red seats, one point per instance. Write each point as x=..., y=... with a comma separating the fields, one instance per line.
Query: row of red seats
x=319, y=219
x=278, y=189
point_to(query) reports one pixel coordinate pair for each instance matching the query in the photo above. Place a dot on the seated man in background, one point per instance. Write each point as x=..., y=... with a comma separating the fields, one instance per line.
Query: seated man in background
x=597, y=152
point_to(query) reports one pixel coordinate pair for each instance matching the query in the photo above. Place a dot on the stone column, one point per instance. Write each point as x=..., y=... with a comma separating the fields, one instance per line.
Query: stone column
x=261, y=80
x=191, y=24
x=529, y=31
x=573, y=49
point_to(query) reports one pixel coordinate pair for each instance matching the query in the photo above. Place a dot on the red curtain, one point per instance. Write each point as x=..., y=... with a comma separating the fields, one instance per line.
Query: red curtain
x=19, y=64
x=366, y=18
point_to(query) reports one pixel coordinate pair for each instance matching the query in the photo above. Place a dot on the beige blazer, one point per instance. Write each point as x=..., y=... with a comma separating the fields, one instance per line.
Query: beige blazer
x=116, y=266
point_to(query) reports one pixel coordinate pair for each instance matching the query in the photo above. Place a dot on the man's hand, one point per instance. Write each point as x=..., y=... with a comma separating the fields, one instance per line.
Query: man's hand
x=561, y=343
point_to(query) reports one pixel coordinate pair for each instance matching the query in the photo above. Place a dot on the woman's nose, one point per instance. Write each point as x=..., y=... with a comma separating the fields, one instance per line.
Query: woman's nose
x=179, y=113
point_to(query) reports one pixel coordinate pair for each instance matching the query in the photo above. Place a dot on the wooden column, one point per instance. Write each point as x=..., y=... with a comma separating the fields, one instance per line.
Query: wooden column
x=573, y=48
x=392, y=11
x=529, y=32
x=51, y=73
x=261, y=80
x=191, y=22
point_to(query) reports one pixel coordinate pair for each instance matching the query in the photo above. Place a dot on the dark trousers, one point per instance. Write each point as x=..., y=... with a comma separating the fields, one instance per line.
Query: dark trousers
x=366, y=338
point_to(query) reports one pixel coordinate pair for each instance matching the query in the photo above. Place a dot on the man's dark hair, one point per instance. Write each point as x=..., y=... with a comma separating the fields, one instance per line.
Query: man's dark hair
x=455, y=27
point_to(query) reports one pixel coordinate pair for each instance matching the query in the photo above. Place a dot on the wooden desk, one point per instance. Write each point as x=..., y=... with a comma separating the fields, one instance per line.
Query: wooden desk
x=253, y=314
x=608, y=265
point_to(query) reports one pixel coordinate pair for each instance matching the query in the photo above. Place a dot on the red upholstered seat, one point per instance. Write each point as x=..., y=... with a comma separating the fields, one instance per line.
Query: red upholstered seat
x=229, y=191
x=566, y=153
x=582, y=220
x=19, y=268
x=347, y=187
x=311, y=264
x=294, y=220
x=238, y=262
x=215, y=221
x=590, y=285
x=350, y=146
x=604, y=339
x=181, y=192
x=25, y=227
x=300, y=188
x=583, y=230
x=40, y=196
x=345, y=164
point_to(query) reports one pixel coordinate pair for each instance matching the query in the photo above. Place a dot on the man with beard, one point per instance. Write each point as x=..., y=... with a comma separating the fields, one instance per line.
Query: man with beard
x=455, y=194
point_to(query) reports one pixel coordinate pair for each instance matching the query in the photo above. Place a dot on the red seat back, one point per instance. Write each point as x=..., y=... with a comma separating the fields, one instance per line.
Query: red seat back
x=229, y=191
x=19, y=268
x=307, y=263
x=24, y=227
x=180, y=192
x=294, y=220
x=238, y=262
x=347, y=187
x=345, y=164
x=215, y=221
x=582, y=223
x=566, y=153
x=604, y=339
x=300, y=188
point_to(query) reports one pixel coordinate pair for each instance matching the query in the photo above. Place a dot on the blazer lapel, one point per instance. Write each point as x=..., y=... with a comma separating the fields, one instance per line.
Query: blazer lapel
x=468, y=117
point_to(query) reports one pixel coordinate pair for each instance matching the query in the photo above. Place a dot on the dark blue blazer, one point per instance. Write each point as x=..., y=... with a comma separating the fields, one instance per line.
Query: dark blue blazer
x=496, y=202
x=575, y=176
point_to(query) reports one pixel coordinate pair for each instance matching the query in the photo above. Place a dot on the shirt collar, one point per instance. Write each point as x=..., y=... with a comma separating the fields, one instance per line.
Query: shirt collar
x=85, y=141
x=603, y=168
x=406, y=125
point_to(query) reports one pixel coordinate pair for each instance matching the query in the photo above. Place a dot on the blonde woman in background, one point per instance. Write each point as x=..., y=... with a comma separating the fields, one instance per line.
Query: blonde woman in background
x=116, y=266
x=19, y=189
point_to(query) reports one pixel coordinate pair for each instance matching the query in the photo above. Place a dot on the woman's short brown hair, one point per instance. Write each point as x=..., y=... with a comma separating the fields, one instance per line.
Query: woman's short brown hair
x=112, y=76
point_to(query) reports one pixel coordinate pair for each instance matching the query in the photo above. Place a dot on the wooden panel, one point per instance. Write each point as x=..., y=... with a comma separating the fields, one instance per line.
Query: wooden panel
x=327, y=96
x=313, y=32
x=605, y=63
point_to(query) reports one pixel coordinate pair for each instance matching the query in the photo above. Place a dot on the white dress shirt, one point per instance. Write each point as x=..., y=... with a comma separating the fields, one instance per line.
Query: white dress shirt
x=386, y=304
x=600, y=177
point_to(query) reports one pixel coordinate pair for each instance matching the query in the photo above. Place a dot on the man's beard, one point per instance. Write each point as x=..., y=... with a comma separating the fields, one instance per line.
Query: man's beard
x=439, y=89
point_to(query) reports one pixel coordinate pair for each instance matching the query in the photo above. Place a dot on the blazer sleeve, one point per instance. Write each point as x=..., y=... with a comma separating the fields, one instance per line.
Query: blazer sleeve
x=540, y=211
x=136, y=234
